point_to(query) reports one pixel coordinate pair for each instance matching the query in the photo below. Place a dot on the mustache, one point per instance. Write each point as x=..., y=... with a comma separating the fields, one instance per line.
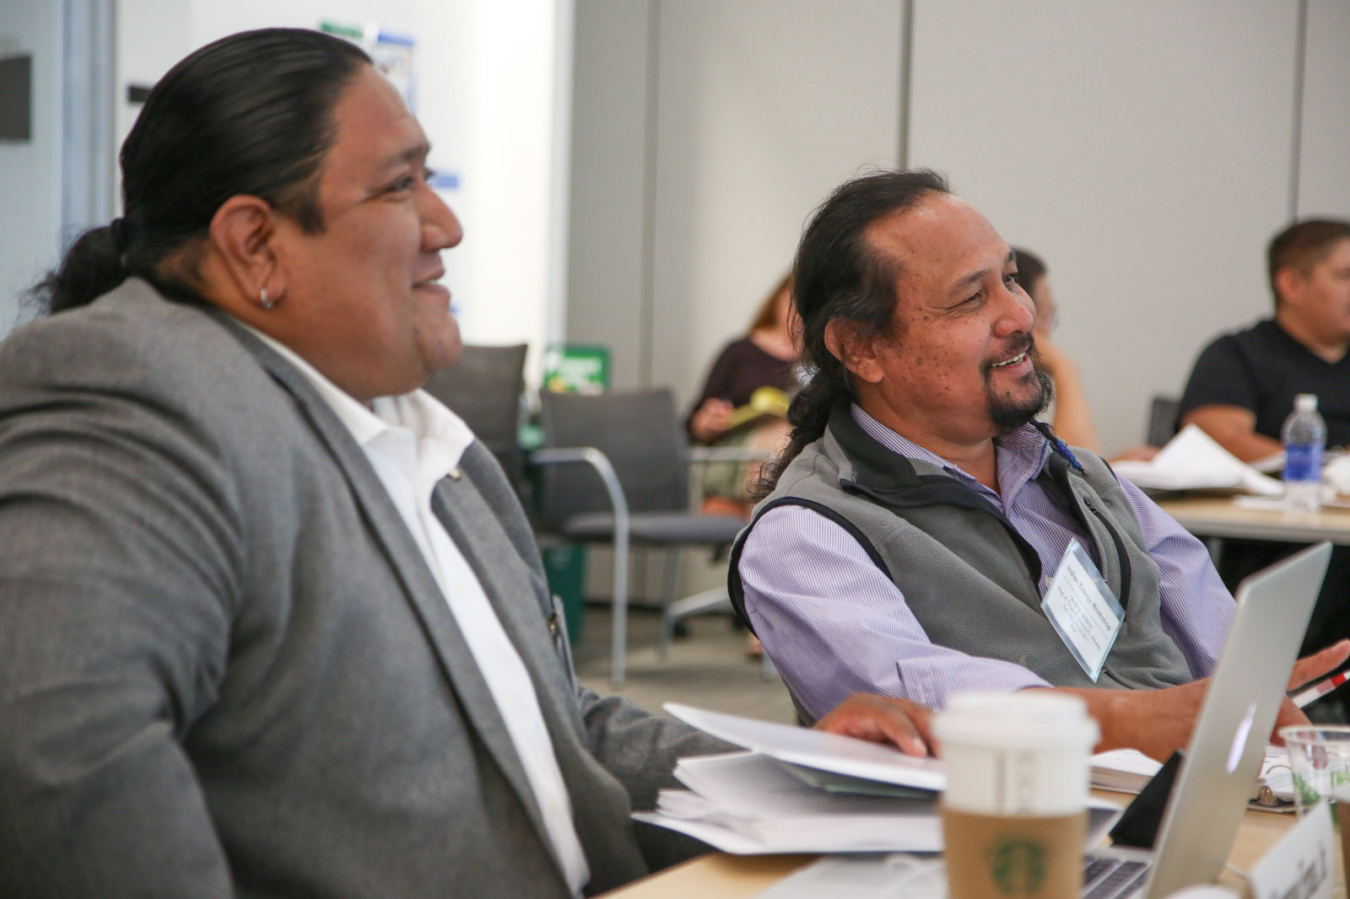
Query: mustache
x=1024, y=344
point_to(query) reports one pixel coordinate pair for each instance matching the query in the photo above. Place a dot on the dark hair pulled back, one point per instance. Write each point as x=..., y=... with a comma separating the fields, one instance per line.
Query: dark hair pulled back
x=250, y=114
x=839, y=275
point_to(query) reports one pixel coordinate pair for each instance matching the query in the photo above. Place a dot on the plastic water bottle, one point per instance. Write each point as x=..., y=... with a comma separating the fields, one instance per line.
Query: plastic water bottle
x=1305, y=436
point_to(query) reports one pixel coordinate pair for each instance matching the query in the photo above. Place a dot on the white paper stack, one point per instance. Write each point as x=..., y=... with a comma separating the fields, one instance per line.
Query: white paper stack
x=1127, y=771
x=1192, y=460
x=800, y=790
x=1122, y=770
x=817, y=750
x=746, y=802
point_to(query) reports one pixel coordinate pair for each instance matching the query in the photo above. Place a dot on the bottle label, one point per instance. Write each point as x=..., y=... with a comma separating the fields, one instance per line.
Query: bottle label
x=1303, y=462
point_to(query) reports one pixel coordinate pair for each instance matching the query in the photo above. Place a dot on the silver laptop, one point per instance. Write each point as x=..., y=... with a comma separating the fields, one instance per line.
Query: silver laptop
x=1211, y=791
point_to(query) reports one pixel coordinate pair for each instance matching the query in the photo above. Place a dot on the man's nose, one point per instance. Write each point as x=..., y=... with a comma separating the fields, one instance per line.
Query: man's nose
x=1018, y=314
x=441, y=229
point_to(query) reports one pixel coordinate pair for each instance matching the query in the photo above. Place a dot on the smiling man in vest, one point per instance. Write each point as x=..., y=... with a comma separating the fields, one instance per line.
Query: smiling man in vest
x=924, y=535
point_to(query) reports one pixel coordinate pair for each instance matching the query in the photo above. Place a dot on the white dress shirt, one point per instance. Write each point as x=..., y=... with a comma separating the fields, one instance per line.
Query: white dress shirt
x=412, y=441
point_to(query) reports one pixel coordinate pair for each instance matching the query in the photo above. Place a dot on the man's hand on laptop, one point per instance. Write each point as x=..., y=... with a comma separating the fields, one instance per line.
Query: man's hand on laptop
x=1159, y=722
x=883, y=719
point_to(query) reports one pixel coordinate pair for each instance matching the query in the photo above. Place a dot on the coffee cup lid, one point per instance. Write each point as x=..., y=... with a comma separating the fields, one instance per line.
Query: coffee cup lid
x=1030, y=719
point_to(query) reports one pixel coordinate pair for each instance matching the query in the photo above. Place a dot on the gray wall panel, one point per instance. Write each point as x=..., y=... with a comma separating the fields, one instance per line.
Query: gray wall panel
x=606, y=283
x=1324, y=170
x=1142, y=148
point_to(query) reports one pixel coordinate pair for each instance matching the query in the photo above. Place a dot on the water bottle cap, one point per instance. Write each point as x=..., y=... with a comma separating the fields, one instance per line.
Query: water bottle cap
x=1306, y=402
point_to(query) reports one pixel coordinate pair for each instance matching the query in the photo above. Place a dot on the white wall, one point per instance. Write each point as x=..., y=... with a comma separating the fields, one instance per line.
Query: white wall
x=608, y=267
x=30, y=172
x=1143, y=149
x=1324, y=170
x=487, y=98
x=764, y=106
x=698, y=156
x=511, y=196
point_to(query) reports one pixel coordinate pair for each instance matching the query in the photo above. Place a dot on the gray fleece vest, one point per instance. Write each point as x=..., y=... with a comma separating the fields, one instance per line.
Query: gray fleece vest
x=968, y=575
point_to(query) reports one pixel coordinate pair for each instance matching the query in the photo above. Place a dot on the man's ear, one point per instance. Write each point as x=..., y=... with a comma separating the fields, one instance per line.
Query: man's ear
x=845, y=342
x=1288, y=284
x=241, y=233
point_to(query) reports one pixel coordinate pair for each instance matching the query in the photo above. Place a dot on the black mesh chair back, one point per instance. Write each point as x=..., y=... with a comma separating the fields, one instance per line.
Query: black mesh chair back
x=484, y=388
x=640, y=432
x=642, y=498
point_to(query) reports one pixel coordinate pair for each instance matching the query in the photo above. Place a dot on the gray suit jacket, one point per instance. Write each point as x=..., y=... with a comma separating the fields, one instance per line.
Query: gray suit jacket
x=225, y=668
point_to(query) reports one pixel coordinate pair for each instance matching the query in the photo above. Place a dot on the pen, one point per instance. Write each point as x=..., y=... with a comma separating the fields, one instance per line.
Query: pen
x=1304, y=697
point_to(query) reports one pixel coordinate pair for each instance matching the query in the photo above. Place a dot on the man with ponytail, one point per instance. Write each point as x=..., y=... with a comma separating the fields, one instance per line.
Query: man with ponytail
x=919, y=515
x=271, y=621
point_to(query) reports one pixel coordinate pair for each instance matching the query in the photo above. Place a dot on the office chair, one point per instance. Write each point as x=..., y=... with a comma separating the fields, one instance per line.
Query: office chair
x=1162, y=419
x=484, y=388
x=617, y=472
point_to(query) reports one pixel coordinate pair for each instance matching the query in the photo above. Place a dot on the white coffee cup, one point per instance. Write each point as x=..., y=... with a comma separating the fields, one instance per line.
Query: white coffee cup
x=1017, y=754
x=1015, y=807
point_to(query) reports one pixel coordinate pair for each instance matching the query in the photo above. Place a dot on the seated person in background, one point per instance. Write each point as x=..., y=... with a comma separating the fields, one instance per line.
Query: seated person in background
x=1243, y=387
x=919, y=515
x=1069, y=414
x=764, y=357
x=271, y=621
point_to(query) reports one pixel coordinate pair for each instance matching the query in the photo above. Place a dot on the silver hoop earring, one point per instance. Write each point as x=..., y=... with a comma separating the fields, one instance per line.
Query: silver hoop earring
x=263, y=300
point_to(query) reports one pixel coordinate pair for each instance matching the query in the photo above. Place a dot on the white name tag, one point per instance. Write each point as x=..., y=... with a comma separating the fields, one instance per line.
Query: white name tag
x=1084, y=613
x=1301, y=864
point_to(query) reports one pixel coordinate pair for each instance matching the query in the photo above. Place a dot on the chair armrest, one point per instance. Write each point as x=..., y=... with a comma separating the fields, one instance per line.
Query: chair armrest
x=589, y=455
x=698, y=456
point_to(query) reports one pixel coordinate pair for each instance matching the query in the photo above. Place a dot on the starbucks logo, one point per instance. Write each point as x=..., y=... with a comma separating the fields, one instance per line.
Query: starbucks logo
x=1017, y=866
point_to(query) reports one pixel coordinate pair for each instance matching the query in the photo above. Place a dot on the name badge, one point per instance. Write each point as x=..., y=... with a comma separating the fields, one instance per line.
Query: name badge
x=1302, y=863
x=1082, y=610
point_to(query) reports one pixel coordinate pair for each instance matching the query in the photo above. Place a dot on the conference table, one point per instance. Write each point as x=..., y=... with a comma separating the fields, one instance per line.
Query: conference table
x=1220, y=517
x=721, y=876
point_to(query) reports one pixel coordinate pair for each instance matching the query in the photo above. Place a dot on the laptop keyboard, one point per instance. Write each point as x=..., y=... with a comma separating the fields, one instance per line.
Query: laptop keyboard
x=1112, y=878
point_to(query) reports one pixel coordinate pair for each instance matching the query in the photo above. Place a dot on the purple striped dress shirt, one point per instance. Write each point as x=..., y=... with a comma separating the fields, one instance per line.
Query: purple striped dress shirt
x=834, y=624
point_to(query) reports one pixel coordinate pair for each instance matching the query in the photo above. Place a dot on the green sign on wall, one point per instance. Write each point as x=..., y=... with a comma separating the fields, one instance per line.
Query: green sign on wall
x=571, y=368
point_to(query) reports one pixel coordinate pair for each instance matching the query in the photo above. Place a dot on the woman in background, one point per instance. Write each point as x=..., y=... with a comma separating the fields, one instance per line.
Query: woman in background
x=1069, y=415
x=764, y=357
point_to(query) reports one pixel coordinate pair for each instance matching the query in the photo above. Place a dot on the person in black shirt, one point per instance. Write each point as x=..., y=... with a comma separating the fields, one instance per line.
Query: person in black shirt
x=1243, y=386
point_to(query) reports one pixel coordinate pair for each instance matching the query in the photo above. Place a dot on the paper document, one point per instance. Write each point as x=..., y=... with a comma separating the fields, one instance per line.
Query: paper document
x=1123, y=770
x=816, y=749
x=1192, y=460
x=865, y=877
x=1336, y=470
x=746, y=803
x=1127, y=771
x=799, y=790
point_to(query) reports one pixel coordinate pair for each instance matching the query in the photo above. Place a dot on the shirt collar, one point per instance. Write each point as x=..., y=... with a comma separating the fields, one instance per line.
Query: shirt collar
x=439, y=430
x=1020, y=454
